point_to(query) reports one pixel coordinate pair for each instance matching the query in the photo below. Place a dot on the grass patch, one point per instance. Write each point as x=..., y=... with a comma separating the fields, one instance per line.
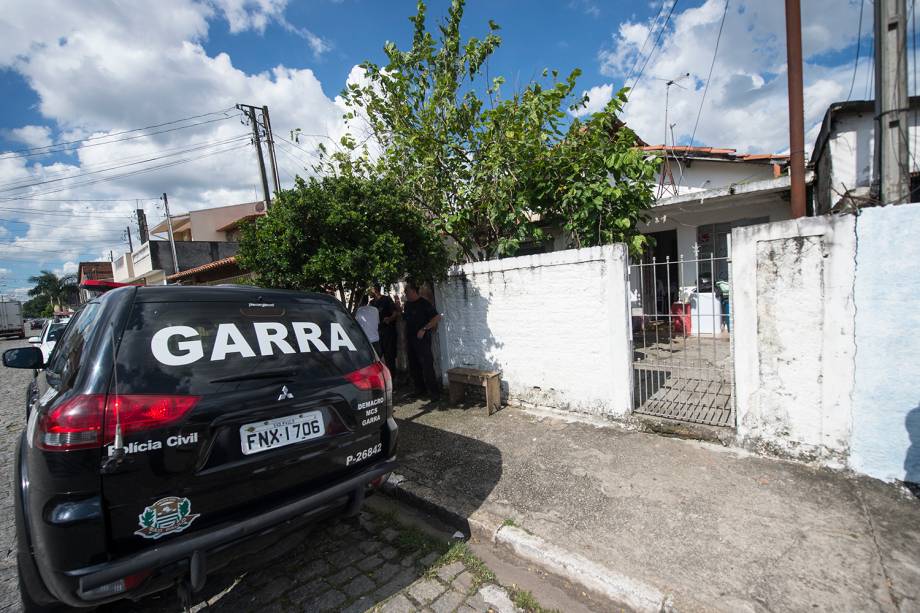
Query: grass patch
x=460, y=552
x=523, y=599
x=509, y=522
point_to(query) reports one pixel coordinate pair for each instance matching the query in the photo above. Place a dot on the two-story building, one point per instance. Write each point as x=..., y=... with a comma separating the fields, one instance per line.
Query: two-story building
x=203, y=238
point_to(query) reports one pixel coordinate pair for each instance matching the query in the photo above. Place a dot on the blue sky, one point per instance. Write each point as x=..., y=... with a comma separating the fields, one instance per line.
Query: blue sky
x=75, y=70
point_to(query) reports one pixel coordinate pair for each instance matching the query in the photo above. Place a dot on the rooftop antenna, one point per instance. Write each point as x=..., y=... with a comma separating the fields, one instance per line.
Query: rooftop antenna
x=114, y=460
x=665, y=174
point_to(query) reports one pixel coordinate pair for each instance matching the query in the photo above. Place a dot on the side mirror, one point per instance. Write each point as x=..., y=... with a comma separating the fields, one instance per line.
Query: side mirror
x=35, y=340
x=23, y=357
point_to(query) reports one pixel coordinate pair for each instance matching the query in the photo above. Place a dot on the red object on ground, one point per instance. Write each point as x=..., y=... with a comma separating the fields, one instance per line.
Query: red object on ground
x=682, y=319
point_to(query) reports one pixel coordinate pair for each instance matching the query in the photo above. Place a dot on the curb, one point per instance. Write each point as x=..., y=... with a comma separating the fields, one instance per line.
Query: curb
x=570, y=567
x=581, y=571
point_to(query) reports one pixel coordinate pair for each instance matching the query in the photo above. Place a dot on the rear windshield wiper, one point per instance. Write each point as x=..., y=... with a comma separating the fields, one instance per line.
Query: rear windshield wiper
x=265, y=374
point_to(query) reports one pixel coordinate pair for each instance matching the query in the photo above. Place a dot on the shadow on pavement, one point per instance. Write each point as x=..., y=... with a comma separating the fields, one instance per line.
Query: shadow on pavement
x=443, y=469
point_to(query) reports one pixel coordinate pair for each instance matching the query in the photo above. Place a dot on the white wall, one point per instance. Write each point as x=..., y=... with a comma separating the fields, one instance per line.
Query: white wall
x=886, y=400
x=205, y=222
x=851, y=146
x=793, y=309
x=555, y=324
x=701, y=175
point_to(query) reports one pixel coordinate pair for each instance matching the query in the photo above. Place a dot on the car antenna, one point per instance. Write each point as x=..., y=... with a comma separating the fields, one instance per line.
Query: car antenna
x=117, y=456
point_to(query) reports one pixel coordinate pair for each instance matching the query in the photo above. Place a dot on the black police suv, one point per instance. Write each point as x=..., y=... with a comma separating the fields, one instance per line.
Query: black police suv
x=174, y=429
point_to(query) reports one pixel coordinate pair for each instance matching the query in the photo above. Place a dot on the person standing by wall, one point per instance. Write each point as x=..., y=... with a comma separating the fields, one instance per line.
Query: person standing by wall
x=369, y=320
x=387, y=330
x=421, y=318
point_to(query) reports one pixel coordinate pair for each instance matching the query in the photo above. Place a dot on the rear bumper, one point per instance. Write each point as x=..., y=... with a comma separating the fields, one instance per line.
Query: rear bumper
x=194, y=549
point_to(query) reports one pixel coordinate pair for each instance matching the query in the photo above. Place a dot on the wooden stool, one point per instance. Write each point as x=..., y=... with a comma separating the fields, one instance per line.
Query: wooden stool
x=459, y=378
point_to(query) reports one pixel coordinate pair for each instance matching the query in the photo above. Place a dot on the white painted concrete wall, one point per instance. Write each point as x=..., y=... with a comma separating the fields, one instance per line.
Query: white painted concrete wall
x=886, y=399
x=701, y=175
x=555, y=324
x=792, y=302
x=851, y=146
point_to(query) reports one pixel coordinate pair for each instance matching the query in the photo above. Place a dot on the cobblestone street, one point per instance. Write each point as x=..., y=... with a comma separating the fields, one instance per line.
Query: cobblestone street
x=365, y=563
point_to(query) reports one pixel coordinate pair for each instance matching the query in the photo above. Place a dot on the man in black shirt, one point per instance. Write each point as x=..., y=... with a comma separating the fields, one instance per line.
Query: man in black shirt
x=421, y=318
x=387, y=328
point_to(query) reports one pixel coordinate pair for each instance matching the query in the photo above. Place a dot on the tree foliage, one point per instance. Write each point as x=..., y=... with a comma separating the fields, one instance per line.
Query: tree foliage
x=491, y=171
x=341, y=233
x=57, y=290
x=39, y=306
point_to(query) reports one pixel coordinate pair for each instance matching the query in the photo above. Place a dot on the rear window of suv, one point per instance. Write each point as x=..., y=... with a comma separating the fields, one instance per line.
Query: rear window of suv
x=209, y=347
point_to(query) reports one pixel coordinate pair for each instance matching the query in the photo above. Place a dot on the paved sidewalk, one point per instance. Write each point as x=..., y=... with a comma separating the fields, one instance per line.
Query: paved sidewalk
x=709, y=528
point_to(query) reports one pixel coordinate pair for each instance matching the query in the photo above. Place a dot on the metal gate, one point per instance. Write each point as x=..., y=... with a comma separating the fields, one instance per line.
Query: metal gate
x=681, y=339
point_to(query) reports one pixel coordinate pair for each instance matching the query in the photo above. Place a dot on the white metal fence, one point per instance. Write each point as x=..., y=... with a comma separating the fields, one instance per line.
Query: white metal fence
x=681, y=339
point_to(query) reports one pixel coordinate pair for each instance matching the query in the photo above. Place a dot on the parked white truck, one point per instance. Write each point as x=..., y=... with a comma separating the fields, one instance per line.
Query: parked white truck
x=11, y=319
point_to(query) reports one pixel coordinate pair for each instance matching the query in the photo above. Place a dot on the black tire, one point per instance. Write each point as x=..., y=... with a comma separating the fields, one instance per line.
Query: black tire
x=32, y=591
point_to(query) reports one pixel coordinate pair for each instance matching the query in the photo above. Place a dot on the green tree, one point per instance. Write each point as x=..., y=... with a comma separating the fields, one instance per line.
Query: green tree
x=39, y=306
x=341, y=233
x=490, y=171
x=58, y=290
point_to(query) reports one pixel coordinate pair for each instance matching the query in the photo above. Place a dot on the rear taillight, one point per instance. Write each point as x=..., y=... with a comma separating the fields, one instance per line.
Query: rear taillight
x=141, y=412
x=74, y=424
x=373, y=377
x=78, y=422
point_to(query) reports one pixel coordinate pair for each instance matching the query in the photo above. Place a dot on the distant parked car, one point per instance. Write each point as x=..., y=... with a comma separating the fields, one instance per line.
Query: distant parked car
x=48, y=337
x=38, y=322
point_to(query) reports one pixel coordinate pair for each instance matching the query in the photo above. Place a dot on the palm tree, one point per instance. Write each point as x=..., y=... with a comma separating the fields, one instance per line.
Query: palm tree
x=56, y=289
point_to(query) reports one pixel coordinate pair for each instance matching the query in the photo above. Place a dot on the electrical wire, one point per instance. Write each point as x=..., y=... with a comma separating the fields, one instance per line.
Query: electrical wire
x=648, y=36
x=712, y=64
x=58, y=147
x=858, y=41
x=64, y=174
x=129, y=174
x=664, y=26
x=870, y=74
x=125, y=165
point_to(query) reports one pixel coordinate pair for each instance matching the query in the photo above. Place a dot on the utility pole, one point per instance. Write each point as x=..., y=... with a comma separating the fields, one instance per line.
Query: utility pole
x=142, y=226
x=257, y=141
x=796, y=106
x=270, y=138
x=172, y=241
x=130, y=243
x=892, y=156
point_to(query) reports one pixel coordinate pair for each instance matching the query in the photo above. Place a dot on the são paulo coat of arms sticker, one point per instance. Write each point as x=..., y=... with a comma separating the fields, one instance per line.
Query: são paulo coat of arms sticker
x=165, y=516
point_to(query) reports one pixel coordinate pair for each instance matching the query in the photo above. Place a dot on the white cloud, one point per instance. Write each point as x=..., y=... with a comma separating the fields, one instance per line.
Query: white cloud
x=746, y=105
x=69, y=268
x=32, y=136
x=598, y=97
x=99, y=69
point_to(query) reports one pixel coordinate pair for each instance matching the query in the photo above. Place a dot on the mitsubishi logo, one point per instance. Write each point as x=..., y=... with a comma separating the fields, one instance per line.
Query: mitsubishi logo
x=285, y=394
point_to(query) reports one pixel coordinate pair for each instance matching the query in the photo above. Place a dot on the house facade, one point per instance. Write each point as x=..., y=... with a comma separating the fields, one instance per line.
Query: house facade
x=202, y=238
x=843, y=159
x=92, y=271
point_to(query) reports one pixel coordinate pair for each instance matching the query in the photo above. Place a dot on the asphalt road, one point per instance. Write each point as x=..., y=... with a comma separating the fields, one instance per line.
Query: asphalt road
x=367, y=563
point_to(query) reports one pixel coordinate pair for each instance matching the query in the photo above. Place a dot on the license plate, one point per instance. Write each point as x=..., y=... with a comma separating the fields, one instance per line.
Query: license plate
x=273, y=433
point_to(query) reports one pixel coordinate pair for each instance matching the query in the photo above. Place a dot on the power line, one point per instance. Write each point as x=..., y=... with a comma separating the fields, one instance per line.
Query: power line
x=50, y=225
x=870, y=74
x=648, y=36
x=125, y=165
x=712, y=64
x=66, y=174
x=858, y=41
x=128, y=174
x=664, y=26
x=49, y=149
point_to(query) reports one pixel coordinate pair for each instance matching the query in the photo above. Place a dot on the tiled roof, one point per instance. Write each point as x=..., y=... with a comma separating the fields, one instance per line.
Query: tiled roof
x=209, y=266
x=731, y=155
